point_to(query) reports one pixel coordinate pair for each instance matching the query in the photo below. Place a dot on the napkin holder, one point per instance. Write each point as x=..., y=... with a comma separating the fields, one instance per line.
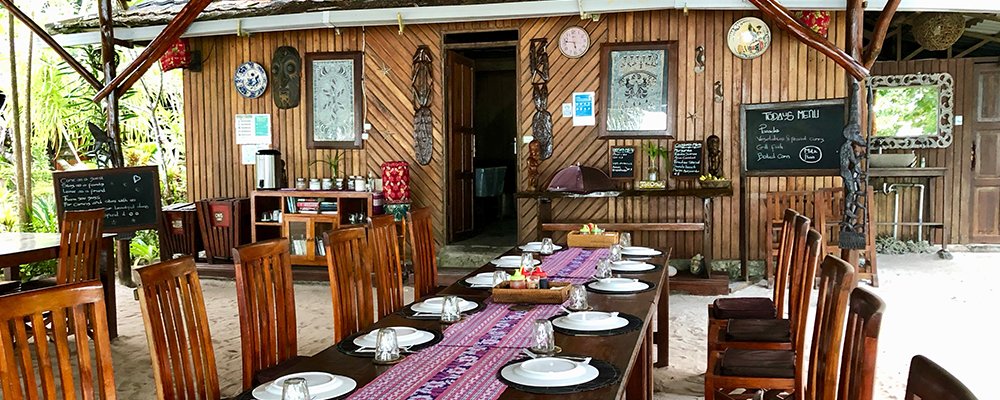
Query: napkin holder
x=591, y=240
x=557, y=293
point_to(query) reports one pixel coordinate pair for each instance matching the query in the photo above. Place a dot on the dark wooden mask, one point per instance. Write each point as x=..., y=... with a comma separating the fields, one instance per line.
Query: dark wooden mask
x=286, y=70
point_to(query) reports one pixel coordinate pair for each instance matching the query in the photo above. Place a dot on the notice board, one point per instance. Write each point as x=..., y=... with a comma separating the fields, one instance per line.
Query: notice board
x=129, y=196
x=622, y=162
x=687, y=158
x=793, y=138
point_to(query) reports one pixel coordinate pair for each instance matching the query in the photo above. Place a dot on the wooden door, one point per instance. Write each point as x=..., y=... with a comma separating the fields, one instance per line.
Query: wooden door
x=986, y=157
x=459, y=77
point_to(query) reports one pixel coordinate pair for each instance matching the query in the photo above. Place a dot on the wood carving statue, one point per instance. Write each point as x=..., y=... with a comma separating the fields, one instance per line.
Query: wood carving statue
x=853, y=151
x=422, y=87
x=534, y=160
x=714, y=145
x=541, y=123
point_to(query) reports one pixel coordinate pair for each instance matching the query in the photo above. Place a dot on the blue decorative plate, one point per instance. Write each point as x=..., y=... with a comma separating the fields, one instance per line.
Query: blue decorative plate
x=250, y=80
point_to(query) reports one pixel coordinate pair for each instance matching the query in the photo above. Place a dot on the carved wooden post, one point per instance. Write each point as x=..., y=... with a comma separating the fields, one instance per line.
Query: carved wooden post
x=541, y=123
x=422, y=88
x=854, y=152
x=108, y=59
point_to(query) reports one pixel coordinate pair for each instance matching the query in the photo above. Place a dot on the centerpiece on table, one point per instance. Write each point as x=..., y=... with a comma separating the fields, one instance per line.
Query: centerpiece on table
x=591, y=236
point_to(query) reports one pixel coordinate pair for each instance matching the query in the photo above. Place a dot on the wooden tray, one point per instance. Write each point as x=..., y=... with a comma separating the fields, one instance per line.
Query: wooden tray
x=504, y=294
x=590, y=240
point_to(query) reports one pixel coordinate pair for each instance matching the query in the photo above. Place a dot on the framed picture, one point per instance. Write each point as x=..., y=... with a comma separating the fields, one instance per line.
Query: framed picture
x=333, y=100
x=638, y=90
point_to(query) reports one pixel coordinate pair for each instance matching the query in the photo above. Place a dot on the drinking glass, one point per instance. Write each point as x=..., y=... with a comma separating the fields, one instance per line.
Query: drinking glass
x=547, y=247
x=527, y=261
x=616, y=252
x=451, y=311
x=625, y=239
x=295, y=389
x=603, y=269
x=386, y=346
x=544, y=341
x=578, y=298
x=500, y=276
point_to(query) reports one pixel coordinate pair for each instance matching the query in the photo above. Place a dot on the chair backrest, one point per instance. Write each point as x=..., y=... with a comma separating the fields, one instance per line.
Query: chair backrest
x=857, y=366
x=80, y=246
x=928, y=381
x=24, y=314
x=383, y=243
x=347, y=258
x=803, y=278
x=786, y=246
x=180, y=342
x=837, y=279
x=424, y=254
x=266, y=300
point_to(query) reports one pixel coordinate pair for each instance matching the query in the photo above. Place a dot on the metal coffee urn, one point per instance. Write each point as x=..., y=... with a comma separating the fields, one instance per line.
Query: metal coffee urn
x=270, y=169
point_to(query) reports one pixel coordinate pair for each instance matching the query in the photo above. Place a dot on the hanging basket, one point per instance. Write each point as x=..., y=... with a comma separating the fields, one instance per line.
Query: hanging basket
x=817, y=20
x=938, y=31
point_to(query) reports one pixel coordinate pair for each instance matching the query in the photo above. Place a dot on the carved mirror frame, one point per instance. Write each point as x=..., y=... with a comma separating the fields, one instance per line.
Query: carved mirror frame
x=946, y=114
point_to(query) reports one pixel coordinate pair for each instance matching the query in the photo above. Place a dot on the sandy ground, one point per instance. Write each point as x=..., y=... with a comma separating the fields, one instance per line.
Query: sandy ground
x=933, y=306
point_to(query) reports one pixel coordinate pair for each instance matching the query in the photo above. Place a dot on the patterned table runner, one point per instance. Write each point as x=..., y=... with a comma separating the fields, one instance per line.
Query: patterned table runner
x=573, y=263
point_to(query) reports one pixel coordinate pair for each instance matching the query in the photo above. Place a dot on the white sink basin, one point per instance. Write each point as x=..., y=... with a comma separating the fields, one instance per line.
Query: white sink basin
x=891, y=160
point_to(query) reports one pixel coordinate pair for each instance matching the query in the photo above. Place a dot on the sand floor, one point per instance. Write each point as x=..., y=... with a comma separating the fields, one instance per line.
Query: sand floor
x=933, y=307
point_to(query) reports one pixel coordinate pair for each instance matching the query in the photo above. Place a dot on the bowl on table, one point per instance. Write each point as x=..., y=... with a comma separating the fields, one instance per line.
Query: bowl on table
x=321, y=385
x=511, y=262
x=405, y=336
x=619, y=285
x=433, y=305
x=631, y=266
x=549, y=372
x=590, y=321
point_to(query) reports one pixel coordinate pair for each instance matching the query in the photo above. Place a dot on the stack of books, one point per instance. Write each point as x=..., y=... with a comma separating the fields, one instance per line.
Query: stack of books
x=307, y=205
x=328, y=207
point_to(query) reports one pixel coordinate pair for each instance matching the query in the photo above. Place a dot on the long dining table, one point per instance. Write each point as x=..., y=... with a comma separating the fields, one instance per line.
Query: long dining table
x=465, y=363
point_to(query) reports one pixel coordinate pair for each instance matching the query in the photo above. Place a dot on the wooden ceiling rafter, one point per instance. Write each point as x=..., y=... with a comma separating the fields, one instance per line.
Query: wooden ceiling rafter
x=879, y=33
x=155, y=50
x=37, y=30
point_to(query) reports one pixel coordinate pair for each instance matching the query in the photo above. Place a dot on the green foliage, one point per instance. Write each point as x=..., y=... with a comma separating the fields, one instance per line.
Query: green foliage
x=145, y=248
x=43, y=215
x=889, y=245
x=654, y=150
x=333, y=162
x=906, y=111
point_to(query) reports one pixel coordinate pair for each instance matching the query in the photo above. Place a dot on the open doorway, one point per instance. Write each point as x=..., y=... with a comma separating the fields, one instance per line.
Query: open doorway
x=481, y=101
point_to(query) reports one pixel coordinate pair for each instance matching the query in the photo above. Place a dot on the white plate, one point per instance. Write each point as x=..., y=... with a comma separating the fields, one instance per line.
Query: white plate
x=619, y=285
x=631, y=266
x=514, y=374
x=640, y=251
x=480, y=279
x=321, y=386
x=511, y=261
x=671, y=271
x=566, y=323
x=405, y=336
x=433, y=305
x=534, y=247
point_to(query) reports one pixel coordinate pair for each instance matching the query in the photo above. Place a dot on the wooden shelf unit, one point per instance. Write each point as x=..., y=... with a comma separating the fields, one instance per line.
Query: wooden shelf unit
x=307, y=227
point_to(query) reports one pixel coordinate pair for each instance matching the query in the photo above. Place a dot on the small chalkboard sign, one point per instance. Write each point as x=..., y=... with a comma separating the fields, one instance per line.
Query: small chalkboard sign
x=129, y=196
x=622, y=162
x=793, y=138
x=687, y=159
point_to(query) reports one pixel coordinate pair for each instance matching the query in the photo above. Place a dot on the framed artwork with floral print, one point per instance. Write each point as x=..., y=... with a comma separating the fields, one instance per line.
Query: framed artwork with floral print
x=334, y=118
x=638, y=90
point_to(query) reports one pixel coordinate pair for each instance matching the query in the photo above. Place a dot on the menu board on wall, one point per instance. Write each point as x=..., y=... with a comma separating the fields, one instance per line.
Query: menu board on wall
x=130, y=196
x=687, y=159
x=622, y=162
x=793, y=138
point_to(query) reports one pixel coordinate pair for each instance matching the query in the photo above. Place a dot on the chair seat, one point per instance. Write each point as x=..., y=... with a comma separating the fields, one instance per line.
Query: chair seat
x=759, y=330
x=38, y=284
x=744, y=308
x=8, y=286
x=758, y=363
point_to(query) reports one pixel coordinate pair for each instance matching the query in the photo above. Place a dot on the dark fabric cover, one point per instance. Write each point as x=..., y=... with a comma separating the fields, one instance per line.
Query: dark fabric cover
x=8, y=286
x=580, y=179
x=744, y=308
x=759, y=330
x=758, y=363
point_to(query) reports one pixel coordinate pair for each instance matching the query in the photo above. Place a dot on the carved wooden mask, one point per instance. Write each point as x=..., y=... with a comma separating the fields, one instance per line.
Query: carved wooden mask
x=286, y=72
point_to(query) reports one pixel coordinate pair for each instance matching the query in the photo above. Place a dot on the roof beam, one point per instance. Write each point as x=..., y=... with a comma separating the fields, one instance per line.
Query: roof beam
x=25, y=19
x=976, y=46
x=878, y=34
x=156, y=48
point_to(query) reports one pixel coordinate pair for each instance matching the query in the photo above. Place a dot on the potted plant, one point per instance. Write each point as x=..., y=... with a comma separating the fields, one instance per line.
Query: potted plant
x=334, y=163
x=654, y=151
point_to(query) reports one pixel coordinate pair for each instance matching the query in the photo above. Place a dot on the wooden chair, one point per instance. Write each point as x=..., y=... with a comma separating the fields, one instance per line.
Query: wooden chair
x=830, y=211
x=776, y=203
x=424, y=254
x=350, y=281
x=180, y=342
x=857, y=366
x=80, y=246
x=383, y=242
x=775, y=370
x=928, y=381
x=20, y=379
x=266, y=300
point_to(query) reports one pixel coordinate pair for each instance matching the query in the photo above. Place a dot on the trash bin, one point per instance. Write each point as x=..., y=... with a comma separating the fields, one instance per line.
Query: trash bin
x=225, y=224
x=489, y=181
x=180, y=231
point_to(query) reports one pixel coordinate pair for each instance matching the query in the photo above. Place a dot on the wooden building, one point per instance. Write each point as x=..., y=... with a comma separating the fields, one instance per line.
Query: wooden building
x=709, y=97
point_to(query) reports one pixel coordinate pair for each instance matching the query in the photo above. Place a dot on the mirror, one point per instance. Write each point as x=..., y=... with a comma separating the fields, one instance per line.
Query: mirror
x=912, y=111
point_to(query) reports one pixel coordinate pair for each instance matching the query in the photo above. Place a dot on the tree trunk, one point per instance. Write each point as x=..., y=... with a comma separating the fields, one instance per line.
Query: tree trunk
x=20, y=175
x=27, y=128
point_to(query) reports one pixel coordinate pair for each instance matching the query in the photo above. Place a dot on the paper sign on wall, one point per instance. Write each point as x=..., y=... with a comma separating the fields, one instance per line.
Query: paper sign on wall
x=583, y=109
x=248, y=153
x=253, y=128
x=567, y=110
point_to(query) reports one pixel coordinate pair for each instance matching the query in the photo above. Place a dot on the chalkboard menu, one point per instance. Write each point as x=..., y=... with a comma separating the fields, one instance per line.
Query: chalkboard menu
x=687, y=159
x=793, y=138
x=622, y=162
x=130, y=196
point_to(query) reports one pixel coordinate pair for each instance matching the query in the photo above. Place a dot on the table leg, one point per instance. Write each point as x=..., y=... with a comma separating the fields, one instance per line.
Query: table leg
x=107, y=262
x=663, y=324
x=640, y=380
x=706, y=238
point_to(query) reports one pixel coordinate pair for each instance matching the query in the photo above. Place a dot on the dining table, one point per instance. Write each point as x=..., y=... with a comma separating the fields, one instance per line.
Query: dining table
x=18, y=248
x=466, y=361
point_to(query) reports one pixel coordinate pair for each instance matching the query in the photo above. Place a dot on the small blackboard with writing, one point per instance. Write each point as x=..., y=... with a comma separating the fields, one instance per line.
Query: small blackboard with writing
x=687, y=159
x=622, y=162
x=793, y=138
x=129, y=196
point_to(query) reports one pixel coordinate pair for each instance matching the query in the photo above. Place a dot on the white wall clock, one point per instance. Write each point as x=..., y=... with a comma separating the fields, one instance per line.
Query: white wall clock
x=574, y=42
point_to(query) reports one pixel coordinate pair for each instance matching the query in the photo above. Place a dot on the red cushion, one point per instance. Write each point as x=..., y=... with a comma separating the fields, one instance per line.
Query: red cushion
x=758, y=363
x=759, y=330
x=744, y=308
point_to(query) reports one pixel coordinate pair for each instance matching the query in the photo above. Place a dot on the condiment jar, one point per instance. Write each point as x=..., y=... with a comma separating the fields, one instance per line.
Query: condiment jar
x=517, y=280
x=327, y=184
x=532, y=280
x=300, y=183
x=314, y=184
